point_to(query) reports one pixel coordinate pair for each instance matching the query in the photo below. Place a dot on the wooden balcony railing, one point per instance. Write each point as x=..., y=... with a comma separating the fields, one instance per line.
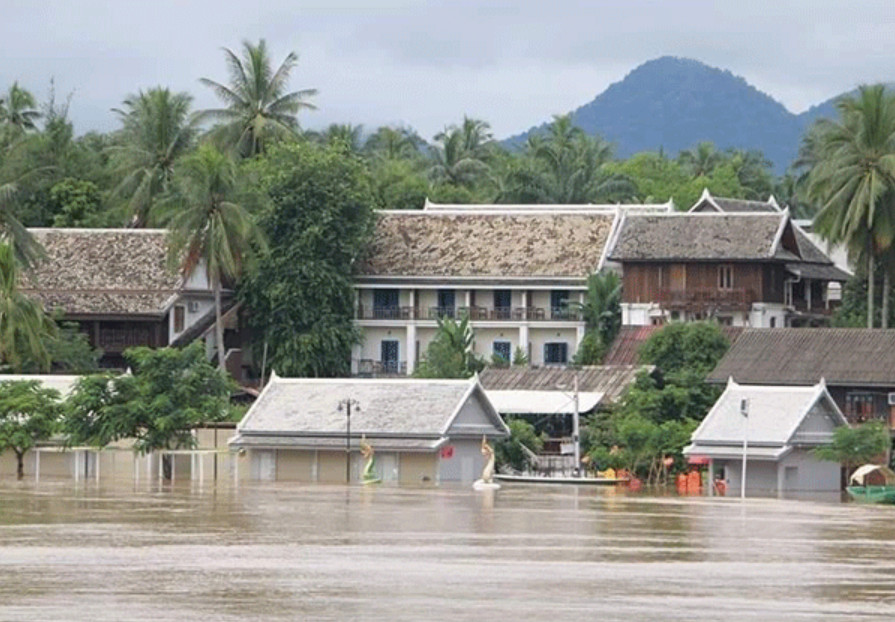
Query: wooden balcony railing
x=374, y=369
x=698, y=299
x=120, y=339
x=510, y=314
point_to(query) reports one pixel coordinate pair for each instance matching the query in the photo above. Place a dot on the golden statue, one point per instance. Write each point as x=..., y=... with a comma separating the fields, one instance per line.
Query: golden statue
x=369, y=474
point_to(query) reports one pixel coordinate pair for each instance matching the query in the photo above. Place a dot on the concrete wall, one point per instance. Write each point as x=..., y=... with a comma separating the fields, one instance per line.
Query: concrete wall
x=539, y=336
x=797, y=472
x=418, y=468
x=466, y=463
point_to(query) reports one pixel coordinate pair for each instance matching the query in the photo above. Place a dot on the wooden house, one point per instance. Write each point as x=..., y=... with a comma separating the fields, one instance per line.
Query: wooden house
x=117, y=286
x=857, y=365
x=742, y=268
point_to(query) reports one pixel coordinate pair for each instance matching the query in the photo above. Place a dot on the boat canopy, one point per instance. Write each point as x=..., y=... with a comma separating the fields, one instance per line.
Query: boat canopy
x=858, y=476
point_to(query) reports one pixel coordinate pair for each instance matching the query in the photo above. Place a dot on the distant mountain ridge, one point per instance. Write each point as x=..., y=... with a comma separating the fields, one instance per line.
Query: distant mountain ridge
x=673, y=103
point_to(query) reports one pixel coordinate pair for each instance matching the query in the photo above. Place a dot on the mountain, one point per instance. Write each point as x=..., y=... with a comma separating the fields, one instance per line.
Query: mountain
x=675, y=103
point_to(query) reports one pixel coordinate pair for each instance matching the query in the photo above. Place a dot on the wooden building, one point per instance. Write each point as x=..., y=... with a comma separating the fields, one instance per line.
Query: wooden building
x=742, y=268
x=857, y=365
x=117, y=286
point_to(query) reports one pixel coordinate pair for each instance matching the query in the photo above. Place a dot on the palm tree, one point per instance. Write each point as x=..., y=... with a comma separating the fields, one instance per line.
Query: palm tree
x=460, y=154
x=157, y=130
x=24, y=327
x=208, y=229
x=701, y=160
x=349, y=136
x=394, y=143
x=18, y=110
x=601, y=309
x=854, y=179
x=258, y=108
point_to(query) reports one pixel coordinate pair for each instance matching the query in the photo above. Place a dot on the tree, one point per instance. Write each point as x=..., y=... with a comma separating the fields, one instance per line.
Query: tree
x=685, y=346
x=318, y=222
x=351, y=137
x=29, y=413
x=450, y=354
x=394, y=143
x=18, y=111
x=76, y=202
x=601, y=309
x=459, y=156
x=157, y=130
x=854, y=179
x=516, y=450
x=69, y=352
x=855, y=446
x=258, y=109
x=24, y=326
x=701, y=160
x=209, y=230
x=169, y=392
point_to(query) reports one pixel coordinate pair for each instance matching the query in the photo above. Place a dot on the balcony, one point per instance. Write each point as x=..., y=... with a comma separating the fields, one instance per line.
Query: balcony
x=474, y=313
x=704, y=299
x=368, y=368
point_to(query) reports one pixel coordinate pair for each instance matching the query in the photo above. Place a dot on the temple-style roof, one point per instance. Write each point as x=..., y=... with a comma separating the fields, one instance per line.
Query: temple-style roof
x=102, y=271
x=804, y=356
x=495, y=242
x=709, y=203
x=704, y=237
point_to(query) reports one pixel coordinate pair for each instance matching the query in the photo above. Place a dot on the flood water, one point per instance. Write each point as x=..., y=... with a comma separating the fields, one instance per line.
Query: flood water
x=303, y=552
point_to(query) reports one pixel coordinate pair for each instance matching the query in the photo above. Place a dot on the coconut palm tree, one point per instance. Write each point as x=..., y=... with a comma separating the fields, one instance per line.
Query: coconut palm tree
x=157, y=130
x=394, y=143
x=854, y=179
x=258, y=108
x=701, y=160
x=208, y=229
x=24, y=326
x=18, y=110
x=460, y=153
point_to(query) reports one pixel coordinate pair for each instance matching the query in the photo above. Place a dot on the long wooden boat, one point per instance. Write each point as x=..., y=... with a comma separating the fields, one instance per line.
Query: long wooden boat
x=872, y=494
x=580, y=481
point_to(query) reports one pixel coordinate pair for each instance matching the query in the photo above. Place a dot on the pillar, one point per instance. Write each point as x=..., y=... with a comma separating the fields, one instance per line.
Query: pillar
x=411, y=348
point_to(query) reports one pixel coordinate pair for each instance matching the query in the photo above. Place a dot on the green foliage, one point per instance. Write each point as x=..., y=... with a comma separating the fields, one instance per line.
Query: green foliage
x=601, y=309
x=686, y=346
x=75, y=202
x=510, y=452
x=854, y=446
x=258, y=111
x=398, y=184
x=317, y=223
x=520, y=357
x=169, y=392
x=69, y=352
x=591, y=349
x=450, y=354
x=29, y=413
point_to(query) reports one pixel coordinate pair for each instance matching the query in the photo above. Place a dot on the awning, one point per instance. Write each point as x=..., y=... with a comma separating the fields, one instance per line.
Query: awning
x=331, y=443
x=733, y=452
x=858, y=476
x=521, y=402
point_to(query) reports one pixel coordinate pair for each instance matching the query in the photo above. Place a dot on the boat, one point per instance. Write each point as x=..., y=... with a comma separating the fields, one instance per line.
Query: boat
x=872, y=483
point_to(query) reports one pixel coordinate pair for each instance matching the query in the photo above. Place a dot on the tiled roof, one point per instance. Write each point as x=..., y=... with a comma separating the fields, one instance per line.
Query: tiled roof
x=102, y=271
x=716, y=204
x=802, y=356
x=487, y=243
x=699, y=237
x=774, y=415
x=611, y=380
x=625, y=349
x=394, y=407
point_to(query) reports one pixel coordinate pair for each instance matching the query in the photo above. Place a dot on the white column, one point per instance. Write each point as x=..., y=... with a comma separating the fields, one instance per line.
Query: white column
x=523, y=338
x=579, y=335
x=411, y=348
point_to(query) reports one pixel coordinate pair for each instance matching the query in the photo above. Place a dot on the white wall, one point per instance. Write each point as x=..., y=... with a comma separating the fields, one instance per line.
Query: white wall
x=763, y=312
x=538, y=336
x=194, y=307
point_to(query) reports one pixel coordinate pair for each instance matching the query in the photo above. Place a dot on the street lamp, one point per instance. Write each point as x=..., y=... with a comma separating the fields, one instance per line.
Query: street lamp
x=744, y=410
x=346, y=405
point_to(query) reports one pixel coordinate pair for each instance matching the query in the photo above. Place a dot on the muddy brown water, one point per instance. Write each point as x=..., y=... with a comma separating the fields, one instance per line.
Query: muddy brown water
x=293, y=552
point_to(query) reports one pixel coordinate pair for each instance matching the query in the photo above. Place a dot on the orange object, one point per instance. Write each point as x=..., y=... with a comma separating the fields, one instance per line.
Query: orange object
x=694, y=483
x=681, y=484
x=634, y=484
x=721, y=487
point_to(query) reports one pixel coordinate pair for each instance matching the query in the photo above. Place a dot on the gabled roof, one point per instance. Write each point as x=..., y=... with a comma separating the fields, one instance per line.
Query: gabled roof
x=709, y=203
x=802, y=356
x=103, y=271
x=626, y=346
x=705, y=237
x=497, y=242
x=395, y=408
x=610, y=381
x=774, y=415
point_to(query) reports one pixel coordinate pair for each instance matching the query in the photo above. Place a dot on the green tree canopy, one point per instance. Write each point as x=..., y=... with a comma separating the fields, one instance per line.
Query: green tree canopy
x=29, y=413
x=855, y=446
x=450, y=354
x=318, y=222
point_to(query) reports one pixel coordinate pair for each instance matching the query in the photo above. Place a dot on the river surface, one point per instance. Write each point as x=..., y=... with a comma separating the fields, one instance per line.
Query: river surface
x=531, y=553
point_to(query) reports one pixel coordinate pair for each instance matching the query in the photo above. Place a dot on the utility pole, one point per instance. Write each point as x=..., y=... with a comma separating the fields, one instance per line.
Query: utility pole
x=744, y=410
x=576, y=432
x=346, y=405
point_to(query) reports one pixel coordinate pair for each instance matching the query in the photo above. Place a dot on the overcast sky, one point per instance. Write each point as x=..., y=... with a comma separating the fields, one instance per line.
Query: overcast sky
x=426, y=64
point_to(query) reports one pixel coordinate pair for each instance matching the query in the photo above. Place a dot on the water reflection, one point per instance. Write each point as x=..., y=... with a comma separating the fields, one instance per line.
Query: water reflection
x=288, y=552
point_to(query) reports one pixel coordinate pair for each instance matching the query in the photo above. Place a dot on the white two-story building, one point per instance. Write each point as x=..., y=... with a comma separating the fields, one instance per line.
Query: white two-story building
x=512, y=270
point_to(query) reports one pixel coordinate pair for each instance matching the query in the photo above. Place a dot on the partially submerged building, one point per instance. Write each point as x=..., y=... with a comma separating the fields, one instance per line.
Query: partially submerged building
x=310, y=430
x=783, y=425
